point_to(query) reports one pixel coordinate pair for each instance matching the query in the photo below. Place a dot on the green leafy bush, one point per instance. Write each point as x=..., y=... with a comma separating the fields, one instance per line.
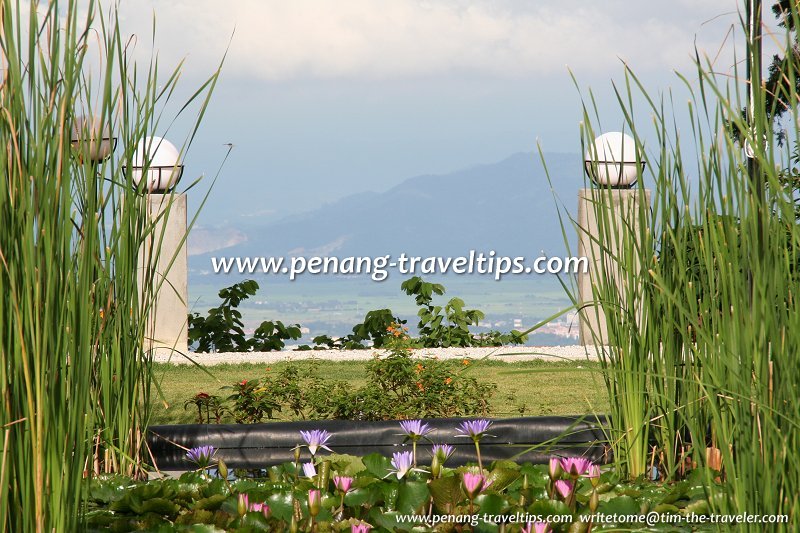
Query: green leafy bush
x=222, y=330
x=397, y=386
x=448, y=325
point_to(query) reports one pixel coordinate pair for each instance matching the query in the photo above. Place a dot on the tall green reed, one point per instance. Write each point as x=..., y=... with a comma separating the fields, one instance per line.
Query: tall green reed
x=699, y=291
x=75, y=374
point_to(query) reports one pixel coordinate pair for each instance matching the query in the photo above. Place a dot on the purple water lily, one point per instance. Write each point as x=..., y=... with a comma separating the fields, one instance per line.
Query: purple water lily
x=201, y=455
x=309, y=470
x=414, y=429
x=316, y=439
x=474, y=429
x=442, y=451
x=402, y=463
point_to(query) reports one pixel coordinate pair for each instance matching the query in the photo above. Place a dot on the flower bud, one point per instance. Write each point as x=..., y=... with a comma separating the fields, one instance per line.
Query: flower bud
x=436, y=467
x=222, y=468
x=594, y=501
x=314, y=497
x=554, y=468
x=242, y=504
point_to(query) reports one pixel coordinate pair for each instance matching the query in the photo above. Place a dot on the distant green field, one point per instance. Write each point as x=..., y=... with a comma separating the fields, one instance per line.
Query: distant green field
x=532, y=388
x=334, y=306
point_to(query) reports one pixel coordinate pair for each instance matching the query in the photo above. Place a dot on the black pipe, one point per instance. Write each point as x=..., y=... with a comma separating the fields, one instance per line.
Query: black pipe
x=251, y=446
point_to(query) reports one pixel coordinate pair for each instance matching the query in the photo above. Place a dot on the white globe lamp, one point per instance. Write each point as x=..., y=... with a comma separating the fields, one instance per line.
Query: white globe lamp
x=92, y=138
x=156, y=162
x=611, y=161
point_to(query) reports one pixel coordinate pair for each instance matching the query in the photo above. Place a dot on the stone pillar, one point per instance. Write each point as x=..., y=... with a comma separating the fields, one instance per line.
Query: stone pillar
x=621, y=218
x=167, y=323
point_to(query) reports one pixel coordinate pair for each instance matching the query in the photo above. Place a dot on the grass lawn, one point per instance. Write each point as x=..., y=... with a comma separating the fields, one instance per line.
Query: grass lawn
x=532, y=388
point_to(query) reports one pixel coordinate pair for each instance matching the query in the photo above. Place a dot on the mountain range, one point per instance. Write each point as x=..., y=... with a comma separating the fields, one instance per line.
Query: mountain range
x=508, y=206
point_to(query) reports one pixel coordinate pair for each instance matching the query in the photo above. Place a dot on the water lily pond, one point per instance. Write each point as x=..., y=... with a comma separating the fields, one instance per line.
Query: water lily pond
x=414, y=489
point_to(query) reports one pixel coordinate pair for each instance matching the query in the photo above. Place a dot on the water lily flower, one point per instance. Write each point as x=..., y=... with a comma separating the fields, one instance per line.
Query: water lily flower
x=316, y=439
x=554, y=468
x=536, y=527
x=474, y=429
x=242, y=504
x=474, y=484
x=442, y=451
x=201, y=455
x=402, y=463
x=594, y=474
x=564, y=488
x=314, y=498
x=575, y=466
x=342, y=483
x=260, y=508
x=360, y=528
x=309, y=470
x=414, y=429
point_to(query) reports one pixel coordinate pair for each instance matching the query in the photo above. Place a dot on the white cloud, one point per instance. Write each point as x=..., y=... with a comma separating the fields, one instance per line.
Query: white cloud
x=280, y=40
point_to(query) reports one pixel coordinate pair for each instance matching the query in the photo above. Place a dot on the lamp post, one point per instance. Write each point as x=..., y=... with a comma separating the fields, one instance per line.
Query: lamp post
x=606, y=213
x=89, y=130
x=155, y=170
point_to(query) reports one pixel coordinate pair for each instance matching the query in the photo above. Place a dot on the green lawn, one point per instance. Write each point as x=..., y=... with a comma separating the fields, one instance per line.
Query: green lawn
x=532, y=388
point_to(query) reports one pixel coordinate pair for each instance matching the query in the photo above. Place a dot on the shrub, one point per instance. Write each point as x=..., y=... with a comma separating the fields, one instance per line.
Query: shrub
x=222, y=330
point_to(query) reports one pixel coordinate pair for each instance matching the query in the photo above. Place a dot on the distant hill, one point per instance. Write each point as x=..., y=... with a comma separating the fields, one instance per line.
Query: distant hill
x=505, y=206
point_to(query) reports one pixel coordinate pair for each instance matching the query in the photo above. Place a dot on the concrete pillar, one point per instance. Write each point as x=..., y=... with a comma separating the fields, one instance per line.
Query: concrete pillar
x=621, y=218
x=167, y=323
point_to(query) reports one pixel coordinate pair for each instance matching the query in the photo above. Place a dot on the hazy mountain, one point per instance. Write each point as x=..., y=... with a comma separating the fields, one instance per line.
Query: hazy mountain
x=506, y=206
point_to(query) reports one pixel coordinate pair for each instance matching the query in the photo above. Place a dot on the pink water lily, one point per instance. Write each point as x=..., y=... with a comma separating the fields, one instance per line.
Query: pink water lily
x=564, y=488
x=536, y=527
x=314, y=497
x=360, y=528
x=262, y=508
x=554, y=468
x=474, y=484
x=244, y=506
x=342, y=483
x=575, y=466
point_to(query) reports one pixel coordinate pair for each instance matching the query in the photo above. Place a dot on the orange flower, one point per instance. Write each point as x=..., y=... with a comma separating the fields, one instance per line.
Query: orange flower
x=102, y=314
x=419, y=385
x=420, y=368
x=448, y=380
x=465, y=362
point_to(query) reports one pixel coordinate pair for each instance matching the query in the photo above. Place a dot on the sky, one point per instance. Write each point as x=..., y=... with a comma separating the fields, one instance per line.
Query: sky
x=325, y=98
